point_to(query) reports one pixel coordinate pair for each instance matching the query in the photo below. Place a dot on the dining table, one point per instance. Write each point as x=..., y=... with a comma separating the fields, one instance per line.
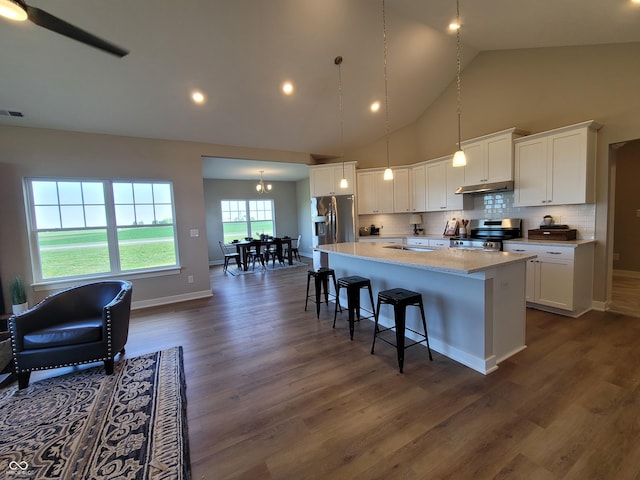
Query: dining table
x=242, y=247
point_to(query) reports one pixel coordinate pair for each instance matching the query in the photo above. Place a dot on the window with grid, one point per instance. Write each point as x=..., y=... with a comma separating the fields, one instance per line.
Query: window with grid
x=246, y=218
x=83, y=228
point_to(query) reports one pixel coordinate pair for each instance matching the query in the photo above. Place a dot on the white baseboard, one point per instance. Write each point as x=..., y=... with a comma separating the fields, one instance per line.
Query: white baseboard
x=155, y=302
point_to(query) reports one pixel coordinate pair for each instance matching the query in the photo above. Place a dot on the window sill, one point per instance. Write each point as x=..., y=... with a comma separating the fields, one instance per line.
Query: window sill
x=48, y=285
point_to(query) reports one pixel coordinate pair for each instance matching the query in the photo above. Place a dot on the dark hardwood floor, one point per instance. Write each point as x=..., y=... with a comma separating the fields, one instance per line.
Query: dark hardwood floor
x=274, y=393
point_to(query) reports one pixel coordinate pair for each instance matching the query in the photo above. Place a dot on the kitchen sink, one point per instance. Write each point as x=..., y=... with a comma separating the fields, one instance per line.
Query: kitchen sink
x=408, y=247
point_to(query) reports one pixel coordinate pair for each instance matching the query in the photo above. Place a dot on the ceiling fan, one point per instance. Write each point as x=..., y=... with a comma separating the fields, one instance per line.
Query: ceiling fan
x=18, y=10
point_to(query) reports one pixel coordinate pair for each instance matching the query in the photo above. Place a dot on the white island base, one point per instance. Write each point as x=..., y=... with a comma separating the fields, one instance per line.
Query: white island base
x=475, y=316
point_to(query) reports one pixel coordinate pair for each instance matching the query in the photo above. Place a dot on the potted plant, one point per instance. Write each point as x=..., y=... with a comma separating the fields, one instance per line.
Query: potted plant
x=18, y=295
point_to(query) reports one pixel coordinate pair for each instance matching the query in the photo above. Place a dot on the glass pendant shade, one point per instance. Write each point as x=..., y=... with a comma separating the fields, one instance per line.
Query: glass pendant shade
x=459, y=159
x=344, y=183
x=388, y=174
x=12, y=10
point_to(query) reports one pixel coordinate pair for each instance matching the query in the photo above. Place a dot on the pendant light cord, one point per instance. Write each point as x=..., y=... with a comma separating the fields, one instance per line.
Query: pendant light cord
x=386, y=93
x=338, y=62
x=459, y=108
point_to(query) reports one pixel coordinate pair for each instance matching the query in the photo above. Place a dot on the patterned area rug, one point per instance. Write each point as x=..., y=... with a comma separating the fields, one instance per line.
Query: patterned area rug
x=88, y=425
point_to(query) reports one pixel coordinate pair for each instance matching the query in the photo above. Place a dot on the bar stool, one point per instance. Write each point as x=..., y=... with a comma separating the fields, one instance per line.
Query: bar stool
x=353, y=284
x=400, y=299
x=321, y=280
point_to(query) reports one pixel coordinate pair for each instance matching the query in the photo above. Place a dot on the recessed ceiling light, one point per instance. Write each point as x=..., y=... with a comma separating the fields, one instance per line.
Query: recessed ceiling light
x=375, y=106
x=453, y=26
x=198, y=97
x=287, y=88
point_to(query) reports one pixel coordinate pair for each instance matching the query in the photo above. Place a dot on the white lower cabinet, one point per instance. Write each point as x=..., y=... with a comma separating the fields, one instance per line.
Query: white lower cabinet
x=434, y=243
x=560, y=279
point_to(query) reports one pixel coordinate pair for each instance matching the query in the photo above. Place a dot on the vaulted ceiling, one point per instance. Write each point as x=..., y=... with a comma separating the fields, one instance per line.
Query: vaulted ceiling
x=239, y=52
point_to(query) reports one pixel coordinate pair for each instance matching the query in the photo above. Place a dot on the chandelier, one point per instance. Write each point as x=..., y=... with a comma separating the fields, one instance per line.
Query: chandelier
x=261, y=187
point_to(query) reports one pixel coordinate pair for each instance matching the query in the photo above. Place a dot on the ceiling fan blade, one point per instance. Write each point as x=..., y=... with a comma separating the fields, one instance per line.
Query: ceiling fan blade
x=48, y=21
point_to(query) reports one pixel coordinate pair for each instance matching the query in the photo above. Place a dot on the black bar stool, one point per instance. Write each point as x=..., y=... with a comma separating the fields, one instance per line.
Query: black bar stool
x=400, y=299
x=321, y=280
x=353, y=284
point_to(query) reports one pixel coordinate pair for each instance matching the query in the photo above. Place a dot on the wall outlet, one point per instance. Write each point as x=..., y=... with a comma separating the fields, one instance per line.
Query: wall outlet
x=190, y=279
x=194, y=232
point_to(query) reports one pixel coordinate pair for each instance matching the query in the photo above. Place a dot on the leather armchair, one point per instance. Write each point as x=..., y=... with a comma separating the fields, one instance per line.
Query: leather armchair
x=83, y=324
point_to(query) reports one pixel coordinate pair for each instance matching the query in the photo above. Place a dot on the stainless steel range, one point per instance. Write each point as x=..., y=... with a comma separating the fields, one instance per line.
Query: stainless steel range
x=488, y=235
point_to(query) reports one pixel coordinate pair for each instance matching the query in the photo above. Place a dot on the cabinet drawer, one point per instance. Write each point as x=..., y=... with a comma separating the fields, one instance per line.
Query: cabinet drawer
x=542, y=251
x=441, y=243
x=417, y=241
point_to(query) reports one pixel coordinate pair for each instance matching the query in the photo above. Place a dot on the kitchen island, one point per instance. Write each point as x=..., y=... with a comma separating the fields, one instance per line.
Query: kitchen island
x=474, y=300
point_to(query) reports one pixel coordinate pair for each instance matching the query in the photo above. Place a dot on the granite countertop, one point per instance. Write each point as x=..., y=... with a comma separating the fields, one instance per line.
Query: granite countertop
x=559, y=243
x=444, y=260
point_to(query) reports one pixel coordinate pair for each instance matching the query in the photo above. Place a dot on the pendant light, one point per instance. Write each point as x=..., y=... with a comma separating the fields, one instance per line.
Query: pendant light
x=12, y=10
x=344, y=183
x=261, y=188
x=459, y=158
x=388, y=173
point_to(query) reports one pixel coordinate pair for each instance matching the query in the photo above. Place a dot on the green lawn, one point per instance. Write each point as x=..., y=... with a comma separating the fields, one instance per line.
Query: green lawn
x=238, y=230
x=73, y=253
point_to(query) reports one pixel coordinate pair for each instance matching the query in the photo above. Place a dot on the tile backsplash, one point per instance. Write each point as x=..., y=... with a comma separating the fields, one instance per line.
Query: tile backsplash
x=493, y=206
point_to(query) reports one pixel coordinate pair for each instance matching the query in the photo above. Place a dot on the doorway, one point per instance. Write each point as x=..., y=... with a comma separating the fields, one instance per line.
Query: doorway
x=625, y=281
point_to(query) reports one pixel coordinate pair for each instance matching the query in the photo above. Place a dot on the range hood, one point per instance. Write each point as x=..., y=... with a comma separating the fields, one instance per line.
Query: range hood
x=505, y=186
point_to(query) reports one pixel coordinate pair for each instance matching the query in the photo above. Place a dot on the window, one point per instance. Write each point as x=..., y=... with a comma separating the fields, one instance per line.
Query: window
x=246, y=218
x=87, y=227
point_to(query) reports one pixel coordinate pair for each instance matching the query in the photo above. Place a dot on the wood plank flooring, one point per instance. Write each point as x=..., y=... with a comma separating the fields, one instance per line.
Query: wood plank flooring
x=274, y=393
x=625, y=296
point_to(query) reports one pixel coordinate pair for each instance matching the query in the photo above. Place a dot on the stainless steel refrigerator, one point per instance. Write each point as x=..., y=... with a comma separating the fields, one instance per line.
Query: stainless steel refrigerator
x=333, y=222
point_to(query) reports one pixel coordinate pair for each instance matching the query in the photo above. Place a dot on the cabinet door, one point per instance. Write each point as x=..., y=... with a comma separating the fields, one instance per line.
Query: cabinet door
x=475, y=171
x=401, y=191
x=322, y=182
x=568, y=175
x=366, y=193
x=349, y=172
x=383, y=193
x=531, y=173
x=419, y=188
x=436, y=184
x=499, y=159
x=455, y=178
x=531, y=279
x=555, y=284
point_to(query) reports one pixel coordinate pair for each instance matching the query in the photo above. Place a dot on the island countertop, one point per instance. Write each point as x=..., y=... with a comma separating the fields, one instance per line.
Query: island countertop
x=447, y=260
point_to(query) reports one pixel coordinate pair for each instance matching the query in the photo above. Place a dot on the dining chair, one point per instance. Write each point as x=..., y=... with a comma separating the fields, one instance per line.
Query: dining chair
x=228, y=255
x=274, y=251
x=295, y=250
x=254, y=253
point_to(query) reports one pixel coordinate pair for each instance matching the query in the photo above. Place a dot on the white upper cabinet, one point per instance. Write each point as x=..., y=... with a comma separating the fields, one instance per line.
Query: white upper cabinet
x=442, y=181
x=401, y=191
x=490, y=158
x=325, y=179
x=556, y=167
x=375, y=194
x=419, y=188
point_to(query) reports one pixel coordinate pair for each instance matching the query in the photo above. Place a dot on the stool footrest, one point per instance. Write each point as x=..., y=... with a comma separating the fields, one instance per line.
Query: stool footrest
x=424, y=340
